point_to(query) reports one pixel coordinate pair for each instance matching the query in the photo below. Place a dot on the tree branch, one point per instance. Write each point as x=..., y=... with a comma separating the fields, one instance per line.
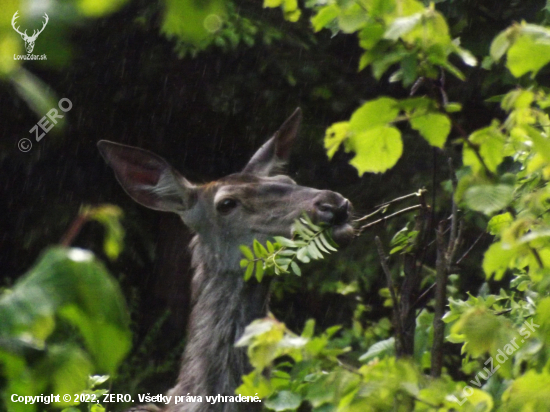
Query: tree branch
x=440, y=303
x=399, y=344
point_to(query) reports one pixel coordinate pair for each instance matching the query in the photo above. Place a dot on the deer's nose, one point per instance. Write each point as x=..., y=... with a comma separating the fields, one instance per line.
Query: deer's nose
x=332, y=208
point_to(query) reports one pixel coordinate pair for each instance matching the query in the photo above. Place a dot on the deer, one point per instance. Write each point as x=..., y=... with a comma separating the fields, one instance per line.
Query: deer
x=256, y=203
x=29, y=40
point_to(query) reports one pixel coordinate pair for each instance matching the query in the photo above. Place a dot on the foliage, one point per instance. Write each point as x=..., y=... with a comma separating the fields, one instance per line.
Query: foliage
x=504, y=176
x=68, y=289
x=309, y=242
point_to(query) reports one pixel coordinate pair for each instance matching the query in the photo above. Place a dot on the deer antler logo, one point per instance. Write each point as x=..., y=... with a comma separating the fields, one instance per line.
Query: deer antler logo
x=29, y=40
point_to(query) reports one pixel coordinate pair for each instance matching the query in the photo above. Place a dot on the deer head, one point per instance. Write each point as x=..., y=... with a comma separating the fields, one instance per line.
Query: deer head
x=29, y=40
x=255, y=203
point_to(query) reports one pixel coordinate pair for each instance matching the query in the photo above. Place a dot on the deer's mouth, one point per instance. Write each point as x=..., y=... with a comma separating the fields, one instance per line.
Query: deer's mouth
x=343, y=233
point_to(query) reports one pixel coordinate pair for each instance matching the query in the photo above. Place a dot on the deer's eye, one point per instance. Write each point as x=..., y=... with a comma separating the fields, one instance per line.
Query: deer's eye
x=226, y=206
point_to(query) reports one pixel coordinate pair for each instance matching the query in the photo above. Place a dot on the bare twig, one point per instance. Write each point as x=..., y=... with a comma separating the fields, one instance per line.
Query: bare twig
x=383, y=206
x=469, y=249
x=399, y=199
x=74, y=229
x=400, y=212
x=424, y=294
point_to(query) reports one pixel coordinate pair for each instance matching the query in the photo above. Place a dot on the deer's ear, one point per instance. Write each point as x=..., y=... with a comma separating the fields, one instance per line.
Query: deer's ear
x=275, y=152
x=148, y=178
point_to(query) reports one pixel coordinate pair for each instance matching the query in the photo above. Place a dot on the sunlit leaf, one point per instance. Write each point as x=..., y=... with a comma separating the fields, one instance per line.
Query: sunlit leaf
x=499, y=222
x=527, y=55
x=191, y=21
x=98, y=8
x=325, y=16
x=497, y=259
x=434, y=127
x=377, y=149
x=402, y=25
x=374, y=113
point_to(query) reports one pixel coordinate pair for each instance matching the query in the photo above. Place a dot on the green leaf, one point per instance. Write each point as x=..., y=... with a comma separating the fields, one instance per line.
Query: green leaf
x=497, y=259
x=377, y=149
x=283, y=401
x=434, y=127
x=491, y=149
x=327, y=243
x=528, y=392
x=403, y=240
x=246, y=252
x=453, y=70
x=303, y=230
x=249, y=271
x=542, y=143
x=109, y=216
x=96, y=408
x=499, y=222
x=325, y=15
x=335, y=136
x=370, y=34
x=69, y=368
x=295, y=268
x=352, y=19
x=382, y=62
x=314, y=253
x=402, y=26
x=192, y=21
x=259, y=249
x=72, y=284
x=320, y=245
x=372, y=114
x=487, y=198
x=96, y=380
x=453, y=107
x=283, y=241
x=482, y=330
x=527, y=55
x=467, y=57
x=98, y=8
x=500, y=44
x=302, y=255
x=309, y=329
x=379, y=350
x=259, y=270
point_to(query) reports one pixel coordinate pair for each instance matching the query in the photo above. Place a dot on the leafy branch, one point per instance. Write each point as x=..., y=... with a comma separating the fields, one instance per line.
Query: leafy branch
x=309, y=242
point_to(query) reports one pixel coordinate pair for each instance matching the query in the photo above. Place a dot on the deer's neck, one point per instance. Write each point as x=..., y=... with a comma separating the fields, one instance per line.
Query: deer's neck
x=224, y=304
